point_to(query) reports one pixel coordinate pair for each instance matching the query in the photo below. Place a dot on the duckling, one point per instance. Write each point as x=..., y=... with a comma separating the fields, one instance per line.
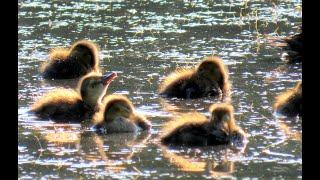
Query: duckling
x=118, y=115
x=293, y=45
x=194, y=129
x=294, y=42
x=289, y=103
x=209, y=78
x=63, y=105
x=80, y=59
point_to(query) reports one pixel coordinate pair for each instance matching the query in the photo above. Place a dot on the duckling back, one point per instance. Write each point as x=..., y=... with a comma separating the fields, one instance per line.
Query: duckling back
x=192, y=129
x=209, y=78
x=63, y=69
x=77, y=61
x=289, y=103
x=61, y=105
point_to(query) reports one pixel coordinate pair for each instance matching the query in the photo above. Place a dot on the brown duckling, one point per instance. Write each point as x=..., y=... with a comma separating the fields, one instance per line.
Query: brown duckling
x=293, y=45
x=117, y=114
x=209, y=78
x=63, y=105
x=194, y=129
x=289, y=103
x=80, y=59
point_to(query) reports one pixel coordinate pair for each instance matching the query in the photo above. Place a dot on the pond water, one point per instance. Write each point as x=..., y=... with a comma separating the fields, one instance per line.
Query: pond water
x=143, y=41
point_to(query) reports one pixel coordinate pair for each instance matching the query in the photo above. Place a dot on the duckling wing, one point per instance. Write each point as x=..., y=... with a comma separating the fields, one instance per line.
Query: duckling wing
x=66, y=69
x=63, y=112
x=191, y=90
x=175, y=89
x=200, y=89
x=191, y=135
x=61, y=105
x=217, y=137
x=120, y=125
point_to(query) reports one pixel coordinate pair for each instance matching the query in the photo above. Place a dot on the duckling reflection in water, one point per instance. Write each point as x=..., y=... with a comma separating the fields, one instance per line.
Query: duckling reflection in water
x=289, y=103
x=63, y=105
x=210, y=78
x=118, y=115
x=194, y=129
x=80, y=59
x=206, y=166
x=289, y=131
x=114, y=149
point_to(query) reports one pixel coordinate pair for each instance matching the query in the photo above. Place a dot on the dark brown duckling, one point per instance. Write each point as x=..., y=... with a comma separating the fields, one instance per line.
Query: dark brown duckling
x=80, y=59
x=289, y=103
x=209, y=78
x=293, y=45
x=194, y=129
x=63, y=105
x=118, y=115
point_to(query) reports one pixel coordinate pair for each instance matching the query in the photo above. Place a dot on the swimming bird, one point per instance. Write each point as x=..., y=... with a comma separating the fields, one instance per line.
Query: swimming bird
x=65, y=105
x=117, y=114
x=194, y=129
x=209, y=78
x=77, y=61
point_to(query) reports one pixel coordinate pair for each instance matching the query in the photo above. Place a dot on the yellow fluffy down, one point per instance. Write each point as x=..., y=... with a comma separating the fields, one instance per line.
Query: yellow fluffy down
x=59, y=54
x=284, y=98
x=56, y=97
x=180, y=73
x=288, y=95
x=184, y=120
x=107, y=101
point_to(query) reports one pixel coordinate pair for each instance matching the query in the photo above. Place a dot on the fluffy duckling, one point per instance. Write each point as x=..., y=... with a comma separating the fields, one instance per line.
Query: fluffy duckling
x=209, y=78
x=293, y=48
x=293, y=45
x=63, y=105
x=80, y=59
x=194, y=129
x=294, y=42
x=118, y=115
x=289, y=103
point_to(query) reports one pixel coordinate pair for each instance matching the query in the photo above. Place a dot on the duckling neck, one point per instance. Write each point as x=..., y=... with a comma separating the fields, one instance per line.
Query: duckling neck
x=94, y=100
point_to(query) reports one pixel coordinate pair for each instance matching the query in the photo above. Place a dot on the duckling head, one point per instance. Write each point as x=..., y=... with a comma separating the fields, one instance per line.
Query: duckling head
x=212, y=68
x=93, y=87
x=222, y=117
x=86, y=53
x=117, y=106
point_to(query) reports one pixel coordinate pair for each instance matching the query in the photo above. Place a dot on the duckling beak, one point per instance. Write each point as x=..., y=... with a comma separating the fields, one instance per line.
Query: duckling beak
x=108, y=78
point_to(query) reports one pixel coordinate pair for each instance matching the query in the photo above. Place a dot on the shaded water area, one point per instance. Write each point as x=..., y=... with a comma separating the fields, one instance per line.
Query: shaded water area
x=143, y=42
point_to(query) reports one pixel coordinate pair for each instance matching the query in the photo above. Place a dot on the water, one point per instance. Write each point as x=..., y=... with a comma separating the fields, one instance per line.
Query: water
x=143, y=42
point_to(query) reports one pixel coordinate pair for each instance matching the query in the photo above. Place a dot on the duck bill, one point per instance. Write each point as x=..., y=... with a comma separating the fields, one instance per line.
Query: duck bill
x=108, y=78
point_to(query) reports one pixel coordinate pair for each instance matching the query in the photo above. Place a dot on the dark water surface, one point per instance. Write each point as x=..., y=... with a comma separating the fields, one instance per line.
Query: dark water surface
x=143, y=41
